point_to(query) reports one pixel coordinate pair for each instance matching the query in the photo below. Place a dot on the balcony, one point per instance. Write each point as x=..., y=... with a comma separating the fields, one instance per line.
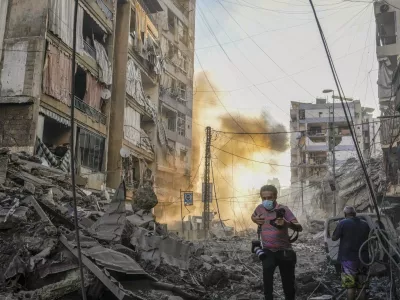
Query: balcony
x=90, y=111
x=106, y=10
x=151, y=7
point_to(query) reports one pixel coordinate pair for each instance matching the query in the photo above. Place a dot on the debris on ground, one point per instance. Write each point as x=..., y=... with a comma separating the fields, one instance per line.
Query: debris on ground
x=125, y=253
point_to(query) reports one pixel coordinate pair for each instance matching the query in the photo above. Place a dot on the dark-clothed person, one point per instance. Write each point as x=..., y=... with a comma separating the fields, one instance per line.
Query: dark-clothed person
x=275, y=242
x=352, y=232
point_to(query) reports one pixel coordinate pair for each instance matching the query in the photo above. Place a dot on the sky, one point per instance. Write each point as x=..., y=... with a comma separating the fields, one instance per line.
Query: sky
x=263, y=54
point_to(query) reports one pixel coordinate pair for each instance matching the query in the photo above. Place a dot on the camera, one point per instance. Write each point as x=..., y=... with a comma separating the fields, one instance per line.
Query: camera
x=257, y=249
x=280, y=214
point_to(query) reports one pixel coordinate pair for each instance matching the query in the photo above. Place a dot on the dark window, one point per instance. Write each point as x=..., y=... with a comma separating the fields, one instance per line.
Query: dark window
x=80, y=83
x=386, y=28
x=91, y=149
x=171, y=21
x=183, y=32
x=302, y=114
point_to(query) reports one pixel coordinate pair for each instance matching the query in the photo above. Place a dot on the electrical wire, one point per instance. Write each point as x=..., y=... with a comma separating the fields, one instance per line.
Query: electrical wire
x=72, y=150
x=341, y=94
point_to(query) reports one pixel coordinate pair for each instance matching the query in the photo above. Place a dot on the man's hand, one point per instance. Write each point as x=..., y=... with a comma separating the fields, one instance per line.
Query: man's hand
x=259, y=220
x=295, y=226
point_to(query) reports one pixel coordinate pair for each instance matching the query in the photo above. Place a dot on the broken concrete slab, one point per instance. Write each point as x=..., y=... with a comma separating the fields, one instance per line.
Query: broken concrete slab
x=115, y=261
x=29, y=188
x=140, y=218
x=38, y=182
x=111, y=225
x=153, y=248
x=11, y=217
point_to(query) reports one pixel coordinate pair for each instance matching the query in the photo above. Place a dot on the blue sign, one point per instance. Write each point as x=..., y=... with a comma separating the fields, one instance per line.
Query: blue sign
x=188, y=198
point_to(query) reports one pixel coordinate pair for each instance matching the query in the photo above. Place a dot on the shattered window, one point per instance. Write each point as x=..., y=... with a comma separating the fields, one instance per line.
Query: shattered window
x=182, y=91
x=181, y=124
x=91, y=148
x=302, y=114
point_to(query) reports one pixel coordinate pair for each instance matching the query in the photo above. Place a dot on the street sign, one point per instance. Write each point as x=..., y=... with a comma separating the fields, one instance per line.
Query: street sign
x=210, y=191
x=188, y=198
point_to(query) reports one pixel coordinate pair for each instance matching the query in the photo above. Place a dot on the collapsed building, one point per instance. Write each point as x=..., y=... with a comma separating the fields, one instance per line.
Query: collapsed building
x=122, y=58
x=317, y=134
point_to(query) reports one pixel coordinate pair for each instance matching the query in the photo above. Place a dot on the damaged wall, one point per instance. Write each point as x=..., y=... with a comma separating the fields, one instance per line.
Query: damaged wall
x=16, y=130
x=20, y=81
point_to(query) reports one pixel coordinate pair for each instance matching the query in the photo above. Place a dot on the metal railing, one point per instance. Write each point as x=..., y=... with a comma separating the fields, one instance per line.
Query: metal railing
x=90, y=111
x=108, y=12
x=144, y=141
x=89, y=49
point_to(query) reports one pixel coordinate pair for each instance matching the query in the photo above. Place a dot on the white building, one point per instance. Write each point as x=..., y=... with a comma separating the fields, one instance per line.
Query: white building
x=314, y=141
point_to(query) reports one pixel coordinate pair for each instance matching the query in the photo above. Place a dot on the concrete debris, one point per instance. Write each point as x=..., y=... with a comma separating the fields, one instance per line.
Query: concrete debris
x=145, y=198
x=38, y=255
x=127, y=254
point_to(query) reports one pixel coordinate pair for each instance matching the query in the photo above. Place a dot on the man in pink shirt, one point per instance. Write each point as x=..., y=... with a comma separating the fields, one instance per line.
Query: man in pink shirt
x=276, y=242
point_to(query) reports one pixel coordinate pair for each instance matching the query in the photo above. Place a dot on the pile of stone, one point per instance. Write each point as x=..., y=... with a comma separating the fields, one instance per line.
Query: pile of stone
x=38, y=246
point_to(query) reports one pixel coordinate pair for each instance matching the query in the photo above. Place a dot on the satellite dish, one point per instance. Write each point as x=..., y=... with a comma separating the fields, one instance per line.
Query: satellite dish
x=124, y=152
x=105, y=94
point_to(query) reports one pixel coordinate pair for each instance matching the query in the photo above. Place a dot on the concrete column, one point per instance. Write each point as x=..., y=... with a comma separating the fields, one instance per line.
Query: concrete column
x=118, y=94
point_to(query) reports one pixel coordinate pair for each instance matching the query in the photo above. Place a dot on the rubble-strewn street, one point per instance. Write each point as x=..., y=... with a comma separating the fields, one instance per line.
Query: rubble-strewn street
x=126, y=254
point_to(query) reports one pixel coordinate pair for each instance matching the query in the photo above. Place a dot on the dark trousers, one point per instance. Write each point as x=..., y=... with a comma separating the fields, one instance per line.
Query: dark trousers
x=286, y=261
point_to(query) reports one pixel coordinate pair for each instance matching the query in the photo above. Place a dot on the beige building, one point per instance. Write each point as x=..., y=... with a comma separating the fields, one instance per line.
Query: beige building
x=133, y=87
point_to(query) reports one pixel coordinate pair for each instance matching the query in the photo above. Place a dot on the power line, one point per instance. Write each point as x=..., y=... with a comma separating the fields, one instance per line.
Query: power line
x=72, y=149
x=283, y=11
x=261, y=162
x=341, y=94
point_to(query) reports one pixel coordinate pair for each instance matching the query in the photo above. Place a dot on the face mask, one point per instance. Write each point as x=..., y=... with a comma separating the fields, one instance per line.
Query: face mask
x=268, y=204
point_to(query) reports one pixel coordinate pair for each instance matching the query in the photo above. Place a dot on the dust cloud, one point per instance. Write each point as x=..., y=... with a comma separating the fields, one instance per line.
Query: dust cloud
x=237, y=180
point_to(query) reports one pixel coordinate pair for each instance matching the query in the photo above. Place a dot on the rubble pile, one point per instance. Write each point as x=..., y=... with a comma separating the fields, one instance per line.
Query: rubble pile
x=125, y=253
x=38, y=247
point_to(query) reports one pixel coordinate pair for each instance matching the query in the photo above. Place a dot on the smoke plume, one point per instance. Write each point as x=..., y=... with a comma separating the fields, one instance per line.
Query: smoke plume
x=235, y=178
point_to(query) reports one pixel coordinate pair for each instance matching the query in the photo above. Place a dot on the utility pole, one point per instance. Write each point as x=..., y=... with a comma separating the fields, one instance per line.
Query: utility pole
x=206, y=191
x=302, y=197
x=332, y=143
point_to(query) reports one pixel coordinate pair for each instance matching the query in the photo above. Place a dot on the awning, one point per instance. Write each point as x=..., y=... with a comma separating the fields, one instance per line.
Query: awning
x=54, y=116
x=153, y=6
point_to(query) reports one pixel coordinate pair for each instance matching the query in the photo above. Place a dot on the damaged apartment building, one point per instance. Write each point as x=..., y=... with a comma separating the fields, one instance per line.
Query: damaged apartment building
x=176, y=30
x=318, y=135
x=154, y=42
x=35, y=82
x=388, y=50
x=133, y=88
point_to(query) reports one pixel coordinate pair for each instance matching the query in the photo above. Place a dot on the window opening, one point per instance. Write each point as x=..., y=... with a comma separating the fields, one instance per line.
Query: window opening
x=386, y=28
x=181, y=124
x=91, y=148
x=171, y=21
x=80, y=83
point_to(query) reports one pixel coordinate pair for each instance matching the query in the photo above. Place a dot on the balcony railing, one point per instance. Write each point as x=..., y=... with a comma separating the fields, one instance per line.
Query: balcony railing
x=108, y=12
x=89, y=49
x=90, y=111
